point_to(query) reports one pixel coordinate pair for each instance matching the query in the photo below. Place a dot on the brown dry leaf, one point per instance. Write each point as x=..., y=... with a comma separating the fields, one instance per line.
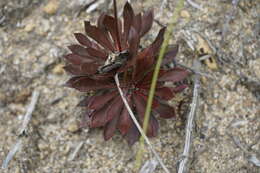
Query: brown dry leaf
x=204, y=49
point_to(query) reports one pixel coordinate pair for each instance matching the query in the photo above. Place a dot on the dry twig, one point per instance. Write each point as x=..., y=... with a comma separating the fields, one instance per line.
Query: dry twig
x=75, y=152
x=195, y=5
x=29, y=112
x=11, y=153
x=138, y=125
x=23, y=130
x=149, y=166
x=189, y=125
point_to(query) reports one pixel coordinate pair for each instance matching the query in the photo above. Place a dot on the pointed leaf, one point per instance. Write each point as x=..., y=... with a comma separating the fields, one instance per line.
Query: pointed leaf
x=133, y=41
x=174, y=75
x=96, y=53
x=115, y=108
x=137, y=23
x=110, y=127
x=84, y=84
x=170, y=55
x=132, y=135
x=99, y=101
x=98, y=35
x=165, y=111
x=98, y=118
x=153, y=127
x=128, y=15
x=77, y=59
x=125, y=122
x=82, y=39
x=147, y=22
x=164, y=93
x=156, y=45
x=140, y=105
x=179, y=88
x=110, y=24
x=79, y=50
x=72, y=69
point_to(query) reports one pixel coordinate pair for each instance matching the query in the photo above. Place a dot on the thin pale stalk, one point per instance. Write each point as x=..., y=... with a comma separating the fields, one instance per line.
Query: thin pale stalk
x=11, y=153
x=28, y=115
x=138, y=125
x=195, y=5
x=189, y=125
x=167, y=37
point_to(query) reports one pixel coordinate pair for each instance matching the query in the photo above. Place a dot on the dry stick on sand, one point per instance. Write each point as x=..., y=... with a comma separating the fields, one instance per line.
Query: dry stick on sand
x=138, y=125
x=149, y=166
x=189, y=125
x=23, y=130
x=75, y=152
x=195, y=5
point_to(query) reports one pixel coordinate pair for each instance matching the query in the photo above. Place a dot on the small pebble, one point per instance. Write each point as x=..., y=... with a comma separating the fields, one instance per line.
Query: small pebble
x=51, y=7
x=185, y=14
x=73, y=127
x=58, y=69
x=29, y=27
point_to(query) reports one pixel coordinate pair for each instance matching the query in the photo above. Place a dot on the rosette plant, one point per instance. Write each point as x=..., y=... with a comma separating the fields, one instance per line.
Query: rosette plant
x=112, y=47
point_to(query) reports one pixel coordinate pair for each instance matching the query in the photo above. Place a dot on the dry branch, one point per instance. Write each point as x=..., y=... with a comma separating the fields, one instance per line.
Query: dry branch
x=195, y=5
x=189, y=125
x=149, y=166
x=29, y=112
x=23, y=130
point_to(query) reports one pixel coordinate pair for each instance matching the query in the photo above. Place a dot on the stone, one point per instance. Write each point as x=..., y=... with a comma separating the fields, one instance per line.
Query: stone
x=51, y=7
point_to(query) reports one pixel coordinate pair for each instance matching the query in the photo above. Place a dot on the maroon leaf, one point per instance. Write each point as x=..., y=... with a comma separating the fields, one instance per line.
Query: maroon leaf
x=72, y=69
x=174, y=75
x=125, y=122
x=115, y=108
x=153, y=127
x=96, y=53
x=84, y=84
x=170, y=55
x=155, y=46
x=86, y=119
x=179, y=88
x=98, y=35
x=133, y=41
x=82, y=39
x=137, y=23
x=99, y=101
x=164, y=93
x=98, y=118
x=110, y=127
x=89, y=68
x=140, y=106
x=147, y=22
x=77, y=59
x=82, y=69
x=128, y=15
x=165, y=111
x=79, y=50
x=110, y=24
x=132, y=135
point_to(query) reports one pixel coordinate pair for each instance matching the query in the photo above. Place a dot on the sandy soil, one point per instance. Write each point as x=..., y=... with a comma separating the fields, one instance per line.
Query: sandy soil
x=33, y=37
